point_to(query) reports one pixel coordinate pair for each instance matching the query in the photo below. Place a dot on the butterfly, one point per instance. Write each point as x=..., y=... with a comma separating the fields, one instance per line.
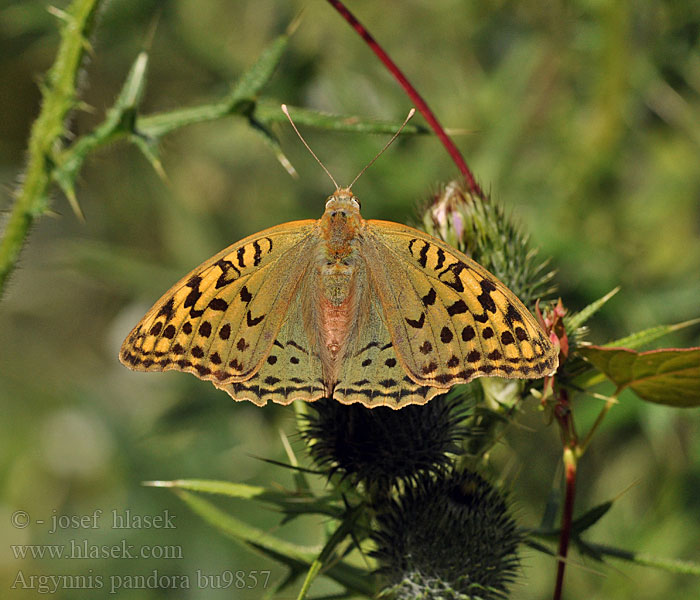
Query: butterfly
x=361, y=311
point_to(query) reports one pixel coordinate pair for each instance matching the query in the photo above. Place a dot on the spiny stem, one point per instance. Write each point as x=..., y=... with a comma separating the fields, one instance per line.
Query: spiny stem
x=59, y=95
x=421, y=105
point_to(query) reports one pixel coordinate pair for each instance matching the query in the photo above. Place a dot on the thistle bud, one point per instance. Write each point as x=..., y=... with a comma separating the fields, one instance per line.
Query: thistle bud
x=447, y=537
x=381, y=446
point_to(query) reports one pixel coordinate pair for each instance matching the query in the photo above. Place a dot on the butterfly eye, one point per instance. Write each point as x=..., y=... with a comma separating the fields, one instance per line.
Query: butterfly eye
x=356, y=201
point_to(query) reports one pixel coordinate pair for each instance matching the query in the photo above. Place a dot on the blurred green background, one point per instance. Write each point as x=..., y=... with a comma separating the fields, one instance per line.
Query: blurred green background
x=582, y=117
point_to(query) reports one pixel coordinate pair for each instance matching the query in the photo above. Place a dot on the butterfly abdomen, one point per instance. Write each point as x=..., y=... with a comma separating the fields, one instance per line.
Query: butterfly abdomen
x=339, y=305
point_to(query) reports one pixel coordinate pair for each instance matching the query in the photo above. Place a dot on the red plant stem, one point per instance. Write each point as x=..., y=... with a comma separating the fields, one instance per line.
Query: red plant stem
x=566, y=520
x=421, y=105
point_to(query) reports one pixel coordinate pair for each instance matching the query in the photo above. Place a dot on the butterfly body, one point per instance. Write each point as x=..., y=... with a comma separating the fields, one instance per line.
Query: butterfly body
x=361, y=311
x=340, y=277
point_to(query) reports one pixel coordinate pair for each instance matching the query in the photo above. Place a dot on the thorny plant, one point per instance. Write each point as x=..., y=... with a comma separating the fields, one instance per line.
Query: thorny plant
x=403, y=486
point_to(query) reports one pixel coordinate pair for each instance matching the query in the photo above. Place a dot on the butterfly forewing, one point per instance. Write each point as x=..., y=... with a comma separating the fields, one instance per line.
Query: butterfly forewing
x=221, y=321
x=450, y=320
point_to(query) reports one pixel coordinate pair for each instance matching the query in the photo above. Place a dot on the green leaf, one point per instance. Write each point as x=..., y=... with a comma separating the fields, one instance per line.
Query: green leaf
x=602, y=551
x=590, y=517
x=241, y=100
x=296, y=557
x=119, y=122
x=268, y=111
x=289, y=502
x=344, y=530
x=669, y=376
x=257, y=76
x=646, y=336
x=271, y=140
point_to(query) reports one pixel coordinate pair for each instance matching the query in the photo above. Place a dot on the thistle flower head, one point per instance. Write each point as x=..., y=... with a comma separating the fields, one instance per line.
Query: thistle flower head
x=382, y=446
x=449, y=536
x=481, y=229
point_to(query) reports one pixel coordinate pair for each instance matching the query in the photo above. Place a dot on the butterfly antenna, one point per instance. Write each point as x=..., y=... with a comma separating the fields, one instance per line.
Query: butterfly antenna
x=389, y=143
x=303, y=141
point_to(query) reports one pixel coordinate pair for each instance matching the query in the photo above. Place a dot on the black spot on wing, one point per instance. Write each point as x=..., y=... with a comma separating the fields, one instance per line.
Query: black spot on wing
x=512, y=315
x=484, y=298
x=293, y=344
x=167, y=310
x=258, y=253
x=239, y=255
x=457, y=308
x=423, y=256
x=450, y=276
x=245, y=295
x=388, y=383
x=446, y=335
x=416, y=323
x=253, y=321
x=229, y=273
x=218, y=304
x=367, y=347
x=429, y=368
x=441, y=259
x=468, y=333
x=426, y=348
x=194, y=294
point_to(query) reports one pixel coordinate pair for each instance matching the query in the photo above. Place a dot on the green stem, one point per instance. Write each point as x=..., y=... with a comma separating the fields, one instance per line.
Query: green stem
x=59, y=94
x=310, y=576
x=610, y=402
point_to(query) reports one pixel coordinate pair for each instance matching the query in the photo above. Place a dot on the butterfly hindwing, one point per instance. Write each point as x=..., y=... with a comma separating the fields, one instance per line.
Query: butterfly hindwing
x=372, y=373
x=220, y=321
x=450, y=320
x=291, y=370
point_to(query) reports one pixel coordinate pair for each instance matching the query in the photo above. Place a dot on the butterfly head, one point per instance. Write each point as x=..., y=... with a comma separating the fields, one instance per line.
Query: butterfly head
x=344, y=202
x=341, y=220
